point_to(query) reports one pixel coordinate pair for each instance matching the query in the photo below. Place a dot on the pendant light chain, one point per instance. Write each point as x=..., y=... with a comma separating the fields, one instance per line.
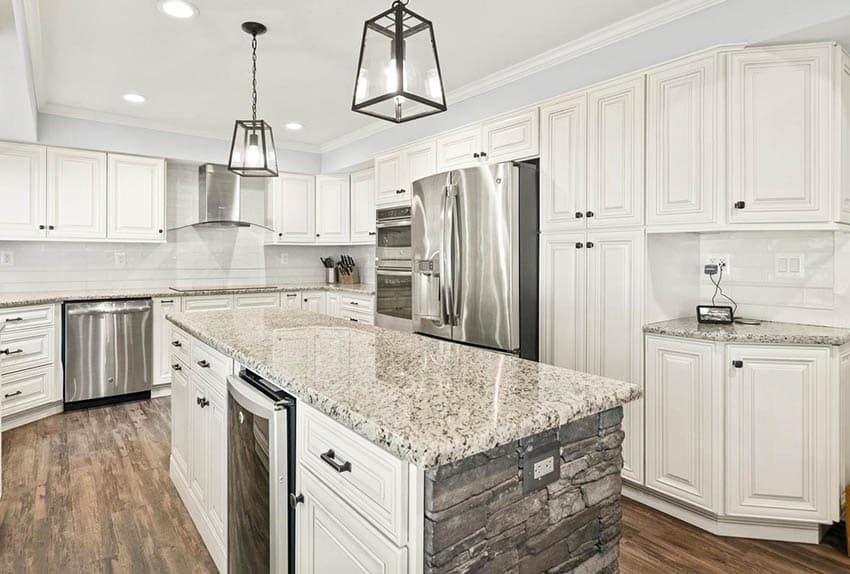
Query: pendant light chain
x=254, y=77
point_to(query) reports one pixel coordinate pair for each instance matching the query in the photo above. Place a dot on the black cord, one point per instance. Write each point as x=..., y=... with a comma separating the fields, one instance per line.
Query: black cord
x=719, y=289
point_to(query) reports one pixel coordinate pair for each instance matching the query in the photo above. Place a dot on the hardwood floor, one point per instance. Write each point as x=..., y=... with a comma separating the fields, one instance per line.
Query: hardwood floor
x=89, y=491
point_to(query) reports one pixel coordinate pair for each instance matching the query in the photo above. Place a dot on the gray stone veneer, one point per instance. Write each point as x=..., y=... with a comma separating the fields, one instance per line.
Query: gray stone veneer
x=477, y=518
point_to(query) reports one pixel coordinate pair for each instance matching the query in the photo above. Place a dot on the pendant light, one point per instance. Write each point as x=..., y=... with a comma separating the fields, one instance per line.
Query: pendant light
x=398, y=74
x=252, y=152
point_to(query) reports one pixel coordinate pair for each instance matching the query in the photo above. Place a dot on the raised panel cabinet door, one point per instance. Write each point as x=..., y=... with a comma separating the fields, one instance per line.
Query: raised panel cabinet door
x=199, y=437
x=333, y=538
x=563, y=162
x=681, y=143
x=135, y=198
x=162, y=339
x=615, y=327
x=781, y=433
x=76, y=194
x=295, y=213
x=683, y=418
x=216, y=413
x=332, y=209
x=389, y=179
x=461, y=148
x=22, y=191
x=779, y=113
x=332, y=302
x=512, y=137
x=615, y=134
x=563, y=277
x=363, y=207
x=291, y=300
x=314, y=301
x=420, y=161
x=182, y=399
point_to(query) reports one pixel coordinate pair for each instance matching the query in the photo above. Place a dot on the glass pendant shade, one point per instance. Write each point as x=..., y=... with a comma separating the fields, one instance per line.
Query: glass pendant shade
x=252, y=150
x=398, y=75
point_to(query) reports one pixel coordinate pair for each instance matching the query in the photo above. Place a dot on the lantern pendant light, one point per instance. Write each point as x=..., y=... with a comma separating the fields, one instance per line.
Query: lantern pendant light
x=252, y=152
x=398, y=74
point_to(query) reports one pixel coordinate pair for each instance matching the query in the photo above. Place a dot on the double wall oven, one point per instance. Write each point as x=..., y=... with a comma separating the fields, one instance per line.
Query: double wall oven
x=394, y=281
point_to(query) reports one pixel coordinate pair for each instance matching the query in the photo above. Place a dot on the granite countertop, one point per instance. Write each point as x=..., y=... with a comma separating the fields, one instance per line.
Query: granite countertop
x=426, y=401
x=42, y=297
x=768, y=332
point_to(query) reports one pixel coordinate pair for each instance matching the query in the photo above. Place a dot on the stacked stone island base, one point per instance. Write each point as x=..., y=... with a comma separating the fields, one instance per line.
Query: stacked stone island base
x=477, y=518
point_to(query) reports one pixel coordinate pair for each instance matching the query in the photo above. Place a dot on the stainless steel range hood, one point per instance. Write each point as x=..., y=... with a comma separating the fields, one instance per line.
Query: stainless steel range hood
x=223, y=202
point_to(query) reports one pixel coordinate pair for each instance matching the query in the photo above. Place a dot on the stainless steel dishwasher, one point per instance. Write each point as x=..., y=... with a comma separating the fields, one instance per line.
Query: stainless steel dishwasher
x=108, y=351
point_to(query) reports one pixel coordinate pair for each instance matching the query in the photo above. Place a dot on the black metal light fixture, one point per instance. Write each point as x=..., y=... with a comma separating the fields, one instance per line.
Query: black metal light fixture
x=252, y=152
x=398, y=74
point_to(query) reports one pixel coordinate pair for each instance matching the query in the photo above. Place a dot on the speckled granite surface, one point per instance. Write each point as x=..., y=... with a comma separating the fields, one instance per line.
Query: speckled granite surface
x=767, y=333
x=427, y=401
x=42, y=297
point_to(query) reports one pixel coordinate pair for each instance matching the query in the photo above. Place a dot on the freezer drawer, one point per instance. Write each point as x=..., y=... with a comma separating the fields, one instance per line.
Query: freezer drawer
x=108, y=349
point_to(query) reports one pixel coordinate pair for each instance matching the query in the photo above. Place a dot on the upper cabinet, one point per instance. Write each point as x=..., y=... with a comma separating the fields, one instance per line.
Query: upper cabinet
x=22, y=191
x=458, y=149
x=615, y=158
x=332, y=209
x=294, y=200
x=563, y=159
x=781, y=123
x=135, y=198
x=363, y=206
x=76, y=194
x=389, y=180
x=419, y=160
x=682, y=142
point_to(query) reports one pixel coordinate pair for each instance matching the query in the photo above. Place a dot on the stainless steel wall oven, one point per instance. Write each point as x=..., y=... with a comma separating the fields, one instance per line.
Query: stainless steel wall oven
x=393, y=276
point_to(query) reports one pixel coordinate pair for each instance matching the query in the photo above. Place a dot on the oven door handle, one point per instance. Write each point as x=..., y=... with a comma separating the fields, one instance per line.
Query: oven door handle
x=250, y=398
x=404, y=223
x=394, y=272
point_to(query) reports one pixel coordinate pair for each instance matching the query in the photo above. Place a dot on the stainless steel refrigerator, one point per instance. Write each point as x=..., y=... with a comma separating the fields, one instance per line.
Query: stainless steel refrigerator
x=474, y=240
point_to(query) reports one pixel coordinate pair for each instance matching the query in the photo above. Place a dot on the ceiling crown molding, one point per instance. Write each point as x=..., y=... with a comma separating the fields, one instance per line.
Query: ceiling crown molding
x=596, y=40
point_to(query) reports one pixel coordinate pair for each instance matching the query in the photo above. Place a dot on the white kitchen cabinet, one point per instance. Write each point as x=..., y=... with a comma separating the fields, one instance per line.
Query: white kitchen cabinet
x=294, y=208
x=199, y=436
x=135, y=198
x=332, y=304
x=29, y=389
x=781, y=438
x=22, y=191
x=256, y=300
x=615, y=148
x=563, y=283
x=182, y=401
x=563, y=162
x=216, y=448
x=614, y=325
x=389, y=179
x=682, y=142
x=331, y=537
x=512, y=136
x=683, y=398
x=419, y=160
x=207, y=303
x=162, y=340
x=363, y=207
x=314, y=301
x=332, y=209
x=291, y=300
x=780, y=126
x=76, y=194
x=460, y=148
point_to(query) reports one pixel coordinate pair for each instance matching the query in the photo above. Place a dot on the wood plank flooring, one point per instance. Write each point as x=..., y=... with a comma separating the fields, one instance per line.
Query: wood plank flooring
x=89, y=491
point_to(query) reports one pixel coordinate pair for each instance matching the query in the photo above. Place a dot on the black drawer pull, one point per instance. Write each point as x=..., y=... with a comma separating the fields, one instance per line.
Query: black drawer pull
x=372, y=233
x=579, y=244
x=204, y=364
x=738, y=364
x=14, y=319
x=353, y=320
x=354, y=302
x=590, y=244
x=295, y=500
x=579, y=215
x=177, y=344
x=8, y=352
x=329, y=457
x=10, y=395
x=399, y=191
x=202, y=401
x=740, y=205
x=176, y=367
x=476, y=155
x=589, y=214
x=167, y=301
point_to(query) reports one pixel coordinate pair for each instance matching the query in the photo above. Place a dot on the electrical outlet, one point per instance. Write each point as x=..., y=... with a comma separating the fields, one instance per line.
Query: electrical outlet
x=6, y=259
x=544, y=467
x=284, y=258
x=120, y=259
x=723, y=262
x=790, y=265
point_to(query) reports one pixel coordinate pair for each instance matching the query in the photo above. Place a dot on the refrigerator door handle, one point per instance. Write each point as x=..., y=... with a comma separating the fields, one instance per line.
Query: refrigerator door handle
x=455, y=243
x=446, y=259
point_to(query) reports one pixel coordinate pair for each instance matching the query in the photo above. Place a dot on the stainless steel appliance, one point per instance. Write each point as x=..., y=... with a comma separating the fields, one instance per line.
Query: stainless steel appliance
x=108, y=351
x=393, y=276
x=474, y=235
x=260, y=476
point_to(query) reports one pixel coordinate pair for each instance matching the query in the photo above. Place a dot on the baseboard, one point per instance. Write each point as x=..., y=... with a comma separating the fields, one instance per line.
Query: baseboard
x=213, y=544
x=159, y=391
x=31, y=415
x=805, y=532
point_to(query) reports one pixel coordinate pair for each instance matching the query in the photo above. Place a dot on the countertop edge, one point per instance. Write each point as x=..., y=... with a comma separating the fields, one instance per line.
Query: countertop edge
x=766, y=338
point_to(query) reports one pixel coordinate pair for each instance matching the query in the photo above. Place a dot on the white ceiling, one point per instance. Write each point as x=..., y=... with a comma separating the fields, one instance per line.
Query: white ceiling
x=196, y=73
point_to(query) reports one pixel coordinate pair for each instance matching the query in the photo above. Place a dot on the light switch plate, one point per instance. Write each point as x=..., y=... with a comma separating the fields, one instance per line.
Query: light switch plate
x=7, y=259
x=790, y=265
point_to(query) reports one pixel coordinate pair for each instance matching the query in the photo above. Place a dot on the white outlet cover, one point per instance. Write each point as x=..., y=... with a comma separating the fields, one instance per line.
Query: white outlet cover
x=7, y=259
x=790, y=265
x=284, y=258
x=120, y=259
x=718, y=259
x=543, y=467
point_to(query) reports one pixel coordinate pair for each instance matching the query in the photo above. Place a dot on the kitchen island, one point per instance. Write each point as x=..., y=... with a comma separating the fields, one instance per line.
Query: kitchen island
x=492, y=463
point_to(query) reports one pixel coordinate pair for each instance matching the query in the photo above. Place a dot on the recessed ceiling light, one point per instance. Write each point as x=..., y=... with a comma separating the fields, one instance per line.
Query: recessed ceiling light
x=178, y=9
x=134, y=98
x=294, y=126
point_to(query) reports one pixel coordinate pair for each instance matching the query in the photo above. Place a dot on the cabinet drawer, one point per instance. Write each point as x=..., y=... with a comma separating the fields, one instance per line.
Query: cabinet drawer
x=362, y=303
x=208, y=303
x=179, y=343
x=291, y=300
x=26, y=317
x=211, y=365
x=26, y=349
x=371, y=480
x=178, y=365
x=357, y=315
x=248, y=300
x=28, y=389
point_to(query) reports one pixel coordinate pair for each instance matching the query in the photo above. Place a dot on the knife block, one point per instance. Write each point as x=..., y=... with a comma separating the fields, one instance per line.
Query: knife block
x=353, y=279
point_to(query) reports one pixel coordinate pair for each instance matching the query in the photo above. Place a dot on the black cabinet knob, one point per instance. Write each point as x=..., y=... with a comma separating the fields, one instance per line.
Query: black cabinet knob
x=579, y=215
x=318, y=235
x=738, y=364
x=740, y=205
x=579, y=244
x=483, y=154
x=476, y=155
x=50, y=227
x=589, y=214
x=280, y=234
x=41, y=227
x=590, y=244
x=372, y=233
x=295, y=500
x=160, y=231
x=176, y=367
x=204, y=364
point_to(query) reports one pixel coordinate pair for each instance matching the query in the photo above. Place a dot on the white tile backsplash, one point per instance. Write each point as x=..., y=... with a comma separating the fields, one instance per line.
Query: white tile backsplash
x=192, y=256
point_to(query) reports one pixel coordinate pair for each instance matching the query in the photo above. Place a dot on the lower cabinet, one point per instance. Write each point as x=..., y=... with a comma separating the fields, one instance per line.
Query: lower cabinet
x=332, y=304
x=291, y=300
x=314, y=301
x=162, y=344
